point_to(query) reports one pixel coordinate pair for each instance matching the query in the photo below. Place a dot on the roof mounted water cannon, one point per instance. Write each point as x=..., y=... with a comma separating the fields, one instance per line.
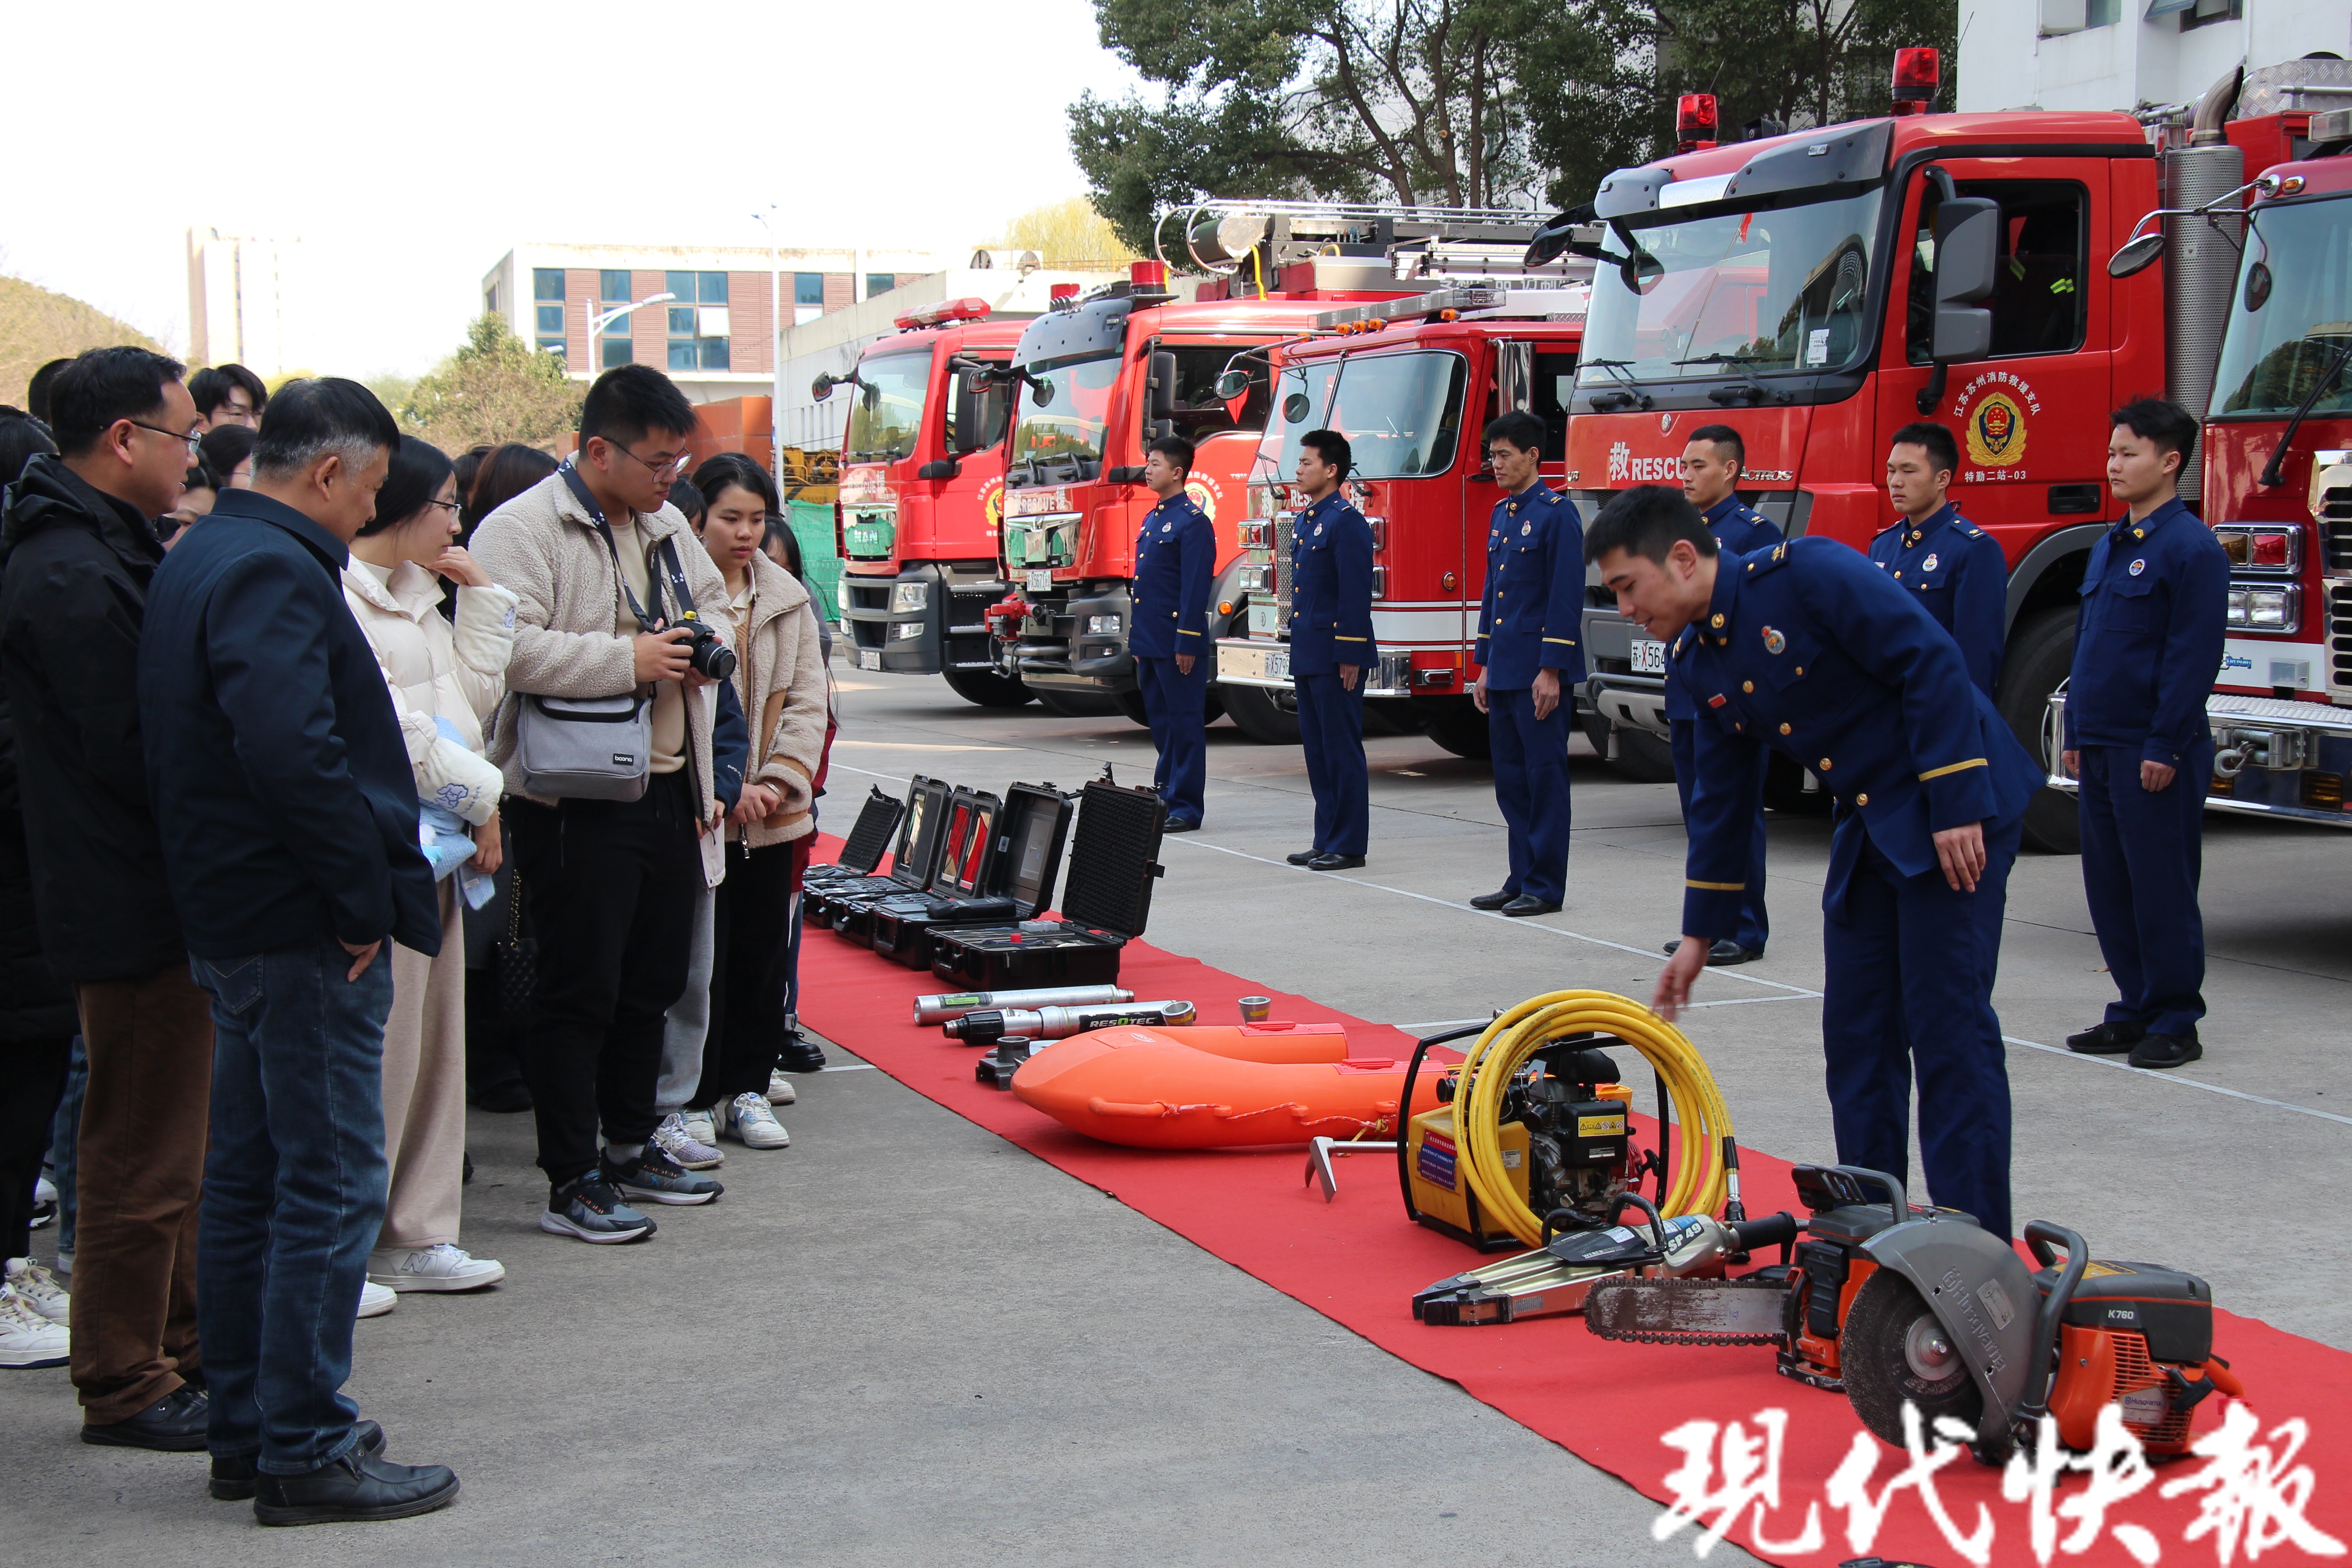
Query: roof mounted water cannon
x=1919, y=73
x=1219, y=236
x=1695, y=122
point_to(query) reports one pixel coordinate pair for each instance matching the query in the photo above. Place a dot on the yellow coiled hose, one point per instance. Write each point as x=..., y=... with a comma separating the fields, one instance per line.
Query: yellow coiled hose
x=1695, y=1183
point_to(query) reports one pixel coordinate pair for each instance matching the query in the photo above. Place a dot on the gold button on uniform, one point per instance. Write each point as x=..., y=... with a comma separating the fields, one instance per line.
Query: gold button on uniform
x=1747, y=686
x=1862, y=800
x=1825, y=764
x=1784, y=728
x=1716, y=622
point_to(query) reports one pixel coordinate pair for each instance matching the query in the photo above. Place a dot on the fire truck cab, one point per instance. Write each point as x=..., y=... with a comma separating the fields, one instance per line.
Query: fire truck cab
x=1410, y=382
x=922, y=482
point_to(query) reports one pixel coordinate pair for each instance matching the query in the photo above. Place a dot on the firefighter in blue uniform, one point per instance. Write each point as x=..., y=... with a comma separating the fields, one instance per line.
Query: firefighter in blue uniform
x=1175, y=562
x=1331, y=651
x=1810, y=648
x=1714, y=460
x=2154, y=617
x=1529, y=625
x=1955, y=569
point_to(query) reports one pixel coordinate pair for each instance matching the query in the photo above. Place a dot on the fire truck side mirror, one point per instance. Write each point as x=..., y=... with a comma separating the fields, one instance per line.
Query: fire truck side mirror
x=970, y=414
x=1163, y=387
x=1967, y=250
x=822, y=387
x=2137, y=256
x=1233, y=383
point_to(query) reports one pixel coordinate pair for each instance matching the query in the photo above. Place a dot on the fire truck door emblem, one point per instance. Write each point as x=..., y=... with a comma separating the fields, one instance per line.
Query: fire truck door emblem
x=1204, y=496
x=1996, y=431
x=1666, y=424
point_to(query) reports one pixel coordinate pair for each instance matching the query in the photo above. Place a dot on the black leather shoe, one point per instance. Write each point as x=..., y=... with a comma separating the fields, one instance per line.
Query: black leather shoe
x=233, y=1479
x=1721, y=955
x=2160, y=1051
x=2106, y=1040
x=1335, y=862
x=801, y=1055
x=1303, y=856
x=1529, y=904
x=173, y=1424
x=1181, y=825
x=1493, y=900
x=354, y=1487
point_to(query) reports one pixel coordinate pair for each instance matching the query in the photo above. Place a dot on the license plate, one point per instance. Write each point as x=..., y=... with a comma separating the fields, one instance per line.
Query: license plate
x=1040, y=582
x=1649, y=656
x=1277, y=664
x=1264, y=620
x=869, y=658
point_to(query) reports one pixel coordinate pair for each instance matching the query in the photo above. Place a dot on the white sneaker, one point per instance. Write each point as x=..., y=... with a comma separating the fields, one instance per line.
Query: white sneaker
x=750, y=1121
x=376, y=1299
x=28, y=1340
x=39, y=1289
x=702, y=1126
x=675, y=1137
x=45, y=1203
x=441, y=1267
x=779, y=1088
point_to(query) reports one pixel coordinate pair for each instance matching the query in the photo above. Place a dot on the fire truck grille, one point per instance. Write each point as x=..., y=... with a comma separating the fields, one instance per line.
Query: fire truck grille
x=2339, y=634
x=1285, y=529
x=2334, y=514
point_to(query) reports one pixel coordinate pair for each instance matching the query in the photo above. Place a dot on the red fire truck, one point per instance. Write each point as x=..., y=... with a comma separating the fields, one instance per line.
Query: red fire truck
x=1098, y=377
x=1818, y=289
x=1410, y=382
x=2277, y=450
x=922, y=482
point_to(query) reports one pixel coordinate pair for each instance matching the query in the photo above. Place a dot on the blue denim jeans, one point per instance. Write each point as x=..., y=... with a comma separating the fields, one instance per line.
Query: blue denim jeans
x=294, y=1194
x=64, y=1140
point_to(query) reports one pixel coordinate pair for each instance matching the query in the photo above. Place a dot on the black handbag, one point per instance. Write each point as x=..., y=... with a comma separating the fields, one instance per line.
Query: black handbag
x=516, y=960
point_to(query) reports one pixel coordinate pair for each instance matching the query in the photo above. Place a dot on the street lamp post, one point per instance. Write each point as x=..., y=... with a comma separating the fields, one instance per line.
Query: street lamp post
x=597, y=323
x=775, y=332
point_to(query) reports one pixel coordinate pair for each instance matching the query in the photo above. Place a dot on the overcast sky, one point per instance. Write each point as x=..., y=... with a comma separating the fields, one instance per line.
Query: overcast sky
x=414, y=146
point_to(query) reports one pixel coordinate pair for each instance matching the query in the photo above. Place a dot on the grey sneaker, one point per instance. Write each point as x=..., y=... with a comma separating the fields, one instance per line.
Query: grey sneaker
x=677, y=1140
x=750, y=1121
x=654, y=1177
x=588, y=1209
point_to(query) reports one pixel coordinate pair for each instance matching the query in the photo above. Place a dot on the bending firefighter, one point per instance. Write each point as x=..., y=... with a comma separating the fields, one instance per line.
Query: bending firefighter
x=1811, y=649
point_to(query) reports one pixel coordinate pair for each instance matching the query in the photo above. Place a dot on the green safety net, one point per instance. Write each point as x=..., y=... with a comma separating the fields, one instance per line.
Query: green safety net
x=812, y=526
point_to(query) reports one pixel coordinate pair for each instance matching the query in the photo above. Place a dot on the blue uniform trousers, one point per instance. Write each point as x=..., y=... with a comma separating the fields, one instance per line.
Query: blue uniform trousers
x=1331, y=732
x=2141, y=857
x=1754, y=927
x=1177, y=706
x=1909, y=972
x=1531, y=787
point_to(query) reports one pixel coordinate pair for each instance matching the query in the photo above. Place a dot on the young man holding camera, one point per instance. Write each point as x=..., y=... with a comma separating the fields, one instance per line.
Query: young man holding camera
x=598, y=555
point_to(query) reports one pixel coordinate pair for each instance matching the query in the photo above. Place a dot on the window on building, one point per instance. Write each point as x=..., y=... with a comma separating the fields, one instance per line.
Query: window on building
x=2205, y=12
x=808, y=289
x=879, y=283
x=547, y=294
x=547, y=283
x=613, y=289
x=698, y=321
x=2040, y=301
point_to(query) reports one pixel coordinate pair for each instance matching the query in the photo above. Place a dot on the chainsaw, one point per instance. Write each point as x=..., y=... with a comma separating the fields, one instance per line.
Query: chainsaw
x=1556, y=1278
x=1798, y=1305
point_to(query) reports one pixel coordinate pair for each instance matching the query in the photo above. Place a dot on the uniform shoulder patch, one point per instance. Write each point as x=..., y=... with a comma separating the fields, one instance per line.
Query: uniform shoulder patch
x=1760, y=564
x=1972, y=530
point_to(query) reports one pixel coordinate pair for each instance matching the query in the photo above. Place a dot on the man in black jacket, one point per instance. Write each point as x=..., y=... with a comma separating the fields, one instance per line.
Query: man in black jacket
x=79, y=550
x=289, y=813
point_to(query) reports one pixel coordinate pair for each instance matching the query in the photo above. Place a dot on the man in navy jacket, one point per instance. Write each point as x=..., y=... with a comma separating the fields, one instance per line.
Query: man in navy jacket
x=1332, y=653
x=282, y=786
x=2155, y=616
x=1175, y=556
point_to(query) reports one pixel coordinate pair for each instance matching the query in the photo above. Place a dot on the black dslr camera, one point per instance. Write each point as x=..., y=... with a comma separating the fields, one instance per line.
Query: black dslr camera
x=709, y=654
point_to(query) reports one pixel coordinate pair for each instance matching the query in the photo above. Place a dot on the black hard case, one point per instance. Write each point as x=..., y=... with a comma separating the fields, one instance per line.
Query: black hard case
x=1023, y=858
x=1114, y=858
x=912, y=865
x=877, y=819
x=967, y=834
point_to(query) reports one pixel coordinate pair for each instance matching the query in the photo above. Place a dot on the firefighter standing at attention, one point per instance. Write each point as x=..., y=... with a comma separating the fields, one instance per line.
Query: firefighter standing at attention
x=2154, y=617
x=1955, y=570
x=1175, y=560
x=1714, y=461
x=1331, y=651
x=1826, y=659
x=1528, y=626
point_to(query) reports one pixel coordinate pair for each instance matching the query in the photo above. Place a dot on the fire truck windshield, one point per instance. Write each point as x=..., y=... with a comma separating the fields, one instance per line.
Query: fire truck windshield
x=1732, y=294
x=886, y=411
x=1402, y=413
x=1065, y=413
x=2291, y=319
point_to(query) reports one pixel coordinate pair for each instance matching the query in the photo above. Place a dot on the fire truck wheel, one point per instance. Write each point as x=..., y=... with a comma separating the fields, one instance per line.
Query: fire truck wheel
x=2040, y=650
x=1641, y=756
x=987, y=689
x=1456, y=724
x=1256, y=714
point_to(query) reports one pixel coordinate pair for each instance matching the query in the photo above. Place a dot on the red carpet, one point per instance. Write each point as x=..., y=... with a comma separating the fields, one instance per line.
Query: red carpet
x=1359, y=1261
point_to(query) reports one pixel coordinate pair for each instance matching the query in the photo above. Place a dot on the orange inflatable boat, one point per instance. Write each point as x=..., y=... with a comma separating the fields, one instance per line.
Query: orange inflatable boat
x=1213, y=1088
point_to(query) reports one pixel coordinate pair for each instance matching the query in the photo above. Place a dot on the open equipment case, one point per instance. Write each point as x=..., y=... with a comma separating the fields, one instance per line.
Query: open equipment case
x=1114, y=858
x=862, y=851
x=1011, y=853
x=913, y=862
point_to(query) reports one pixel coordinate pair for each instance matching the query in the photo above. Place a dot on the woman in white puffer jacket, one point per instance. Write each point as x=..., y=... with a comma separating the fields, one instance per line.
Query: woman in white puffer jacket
x=446, y=678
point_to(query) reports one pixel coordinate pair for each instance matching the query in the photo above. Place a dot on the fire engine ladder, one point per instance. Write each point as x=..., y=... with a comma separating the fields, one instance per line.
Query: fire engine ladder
x=1221, y=235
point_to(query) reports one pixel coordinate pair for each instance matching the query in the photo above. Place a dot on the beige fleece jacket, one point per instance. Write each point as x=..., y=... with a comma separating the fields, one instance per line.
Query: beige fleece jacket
x=780, y=679
x=543, y=547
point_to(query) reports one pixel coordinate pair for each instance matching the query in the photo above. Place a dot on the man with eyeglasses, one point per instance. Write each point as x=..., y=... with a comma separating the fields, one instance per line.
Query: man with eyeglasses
x=596, y=552
x=227, y=394
x=80, y=552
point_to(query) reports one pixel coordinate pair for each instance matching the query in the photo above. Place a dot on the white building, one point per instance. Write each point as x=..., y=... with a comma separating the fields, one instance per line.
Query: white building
x=253, y=302
x=2125, y=54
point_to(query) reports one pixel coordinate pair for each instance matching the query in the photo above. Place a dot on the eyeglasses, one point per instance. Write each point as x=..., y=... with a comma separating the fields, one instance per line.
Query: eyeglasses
x=667, y=469
x=450, y=507
x=194, y=439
